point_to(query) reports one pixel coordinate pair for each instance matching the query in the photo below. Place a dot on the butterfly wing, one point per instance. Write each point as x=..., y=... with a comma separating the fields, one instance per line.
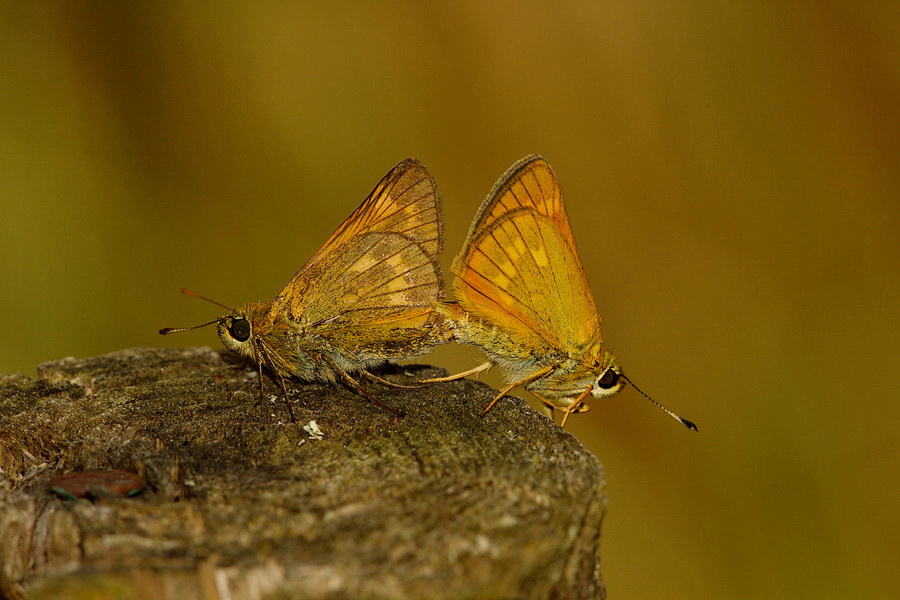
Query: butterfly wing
x=372, y=287
x=519, y=270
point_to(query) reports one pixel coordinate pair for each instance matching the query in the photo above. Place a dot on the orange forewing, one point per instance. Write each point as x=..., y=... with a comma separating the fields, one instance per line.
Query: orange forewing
x=404, y=201
x=520, y=269
x=378, y=274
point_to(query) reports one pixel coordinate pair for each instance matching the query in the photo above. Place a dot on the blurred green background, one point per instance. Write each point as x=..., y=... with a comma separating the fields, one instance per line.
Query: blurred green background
x=731, y=171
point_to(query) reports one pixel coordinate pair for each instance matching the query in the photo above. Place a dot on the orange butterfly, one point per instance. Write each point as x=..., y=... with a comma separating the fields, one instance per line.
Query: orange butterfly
x=522, y=295
x=366, y=297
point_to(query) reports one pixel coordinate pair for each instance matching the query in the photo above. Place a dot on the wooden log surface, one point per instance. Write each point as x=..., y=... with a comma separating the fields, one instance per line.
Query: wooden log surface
x=241, y=503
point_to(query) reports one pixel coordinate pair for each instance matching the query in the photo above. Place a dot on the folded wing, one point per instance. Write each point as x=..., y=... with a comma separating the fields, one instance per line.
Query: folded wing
x=520, y=269
x=376, y=280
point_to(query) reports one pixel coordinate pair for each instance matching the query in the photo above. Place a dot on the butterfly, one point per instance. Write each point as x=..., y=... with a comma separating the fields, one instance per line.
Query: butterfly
x=522, y=296
x=367, y=296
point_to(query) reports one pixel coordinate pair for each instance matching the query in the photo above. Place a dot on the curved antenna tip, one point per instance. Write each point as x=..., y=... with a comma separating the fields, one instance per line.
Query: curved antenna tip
x=679, y=418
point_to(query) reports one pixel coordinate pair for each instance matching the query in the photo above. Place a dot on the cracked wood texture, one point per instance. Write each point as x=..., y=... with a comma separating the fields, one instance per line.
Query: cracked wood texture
x=241, y=503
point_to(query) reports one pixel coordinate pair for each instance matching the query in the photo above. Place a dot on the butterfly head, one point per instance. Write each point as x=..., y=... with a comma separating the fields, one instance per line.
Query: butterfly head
x=601, y=373
x=608, y=382
x=610, y=379
x=239, y=330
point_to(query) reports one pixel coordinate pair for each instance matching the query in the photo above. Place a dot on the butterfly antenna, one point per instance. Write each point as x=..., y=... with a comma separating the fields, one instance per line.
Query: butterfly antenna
x=168, y=330
x=682, y=420
x=187, y=292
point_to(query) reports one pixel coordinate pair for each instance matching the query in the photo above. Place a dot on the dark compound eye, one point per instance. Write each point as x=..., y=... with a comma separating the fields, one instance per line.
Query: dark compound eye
x=240, y=330
x=608, y=380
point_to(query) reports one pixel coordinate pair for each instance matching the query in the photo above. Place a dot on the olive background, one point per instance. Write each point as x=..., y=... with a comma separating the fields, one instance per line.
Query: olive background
x=731, y=173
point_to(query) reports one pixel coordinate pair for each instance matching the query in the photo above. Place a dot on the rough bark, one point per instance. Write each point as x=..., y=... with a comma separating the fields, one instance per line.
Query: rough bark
x=243, y=504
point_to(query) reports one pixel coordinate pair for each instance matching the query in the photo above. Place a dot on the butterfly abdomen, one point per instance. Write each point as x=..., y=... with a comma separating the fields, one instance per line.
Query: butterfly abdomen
x=494, y=340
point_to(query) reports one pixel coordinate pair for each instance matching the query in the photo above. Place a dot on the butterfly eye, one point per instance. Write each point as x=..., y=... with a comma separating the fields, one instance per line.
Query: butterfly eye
x=240, y=330
x=608, y=380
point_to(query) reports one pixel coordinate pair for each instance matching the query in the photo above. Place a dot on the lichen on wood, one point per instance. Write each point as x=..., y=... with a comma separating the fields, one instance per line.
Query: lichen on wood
x=442, y=503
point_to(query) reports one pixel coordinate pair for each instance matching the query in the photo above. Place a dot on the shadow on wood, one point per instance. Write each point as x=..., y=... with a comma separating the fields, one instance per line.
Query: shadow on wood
x=241, y=503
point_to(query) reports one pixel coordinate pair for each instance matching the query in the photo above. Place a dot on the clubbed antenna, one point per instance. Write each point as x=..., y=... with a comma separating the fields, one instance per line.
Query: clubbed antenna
x=682, y=420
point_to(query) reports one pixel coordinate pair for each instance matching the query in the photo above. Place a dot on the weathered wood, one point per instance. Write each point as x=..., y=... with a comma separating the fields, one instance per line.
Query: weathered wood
x=242, y=503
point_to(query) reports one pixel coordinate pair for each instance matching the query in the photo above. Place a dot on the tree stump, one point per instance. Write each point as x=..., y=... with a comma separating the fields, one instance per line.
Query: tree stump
x=242, y=503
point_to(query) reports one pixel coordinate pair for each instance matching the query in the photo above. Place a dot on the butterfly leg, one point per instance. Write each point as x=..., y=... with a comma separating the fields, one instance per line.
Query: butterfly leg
x=574, y=407
x=479, y=369
x=547, y=411
x=356, y=387
x=547, y=408
x=262, y=390
x=284, y=391
x=287, y=398
x=533, y=377
x=378, y=379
